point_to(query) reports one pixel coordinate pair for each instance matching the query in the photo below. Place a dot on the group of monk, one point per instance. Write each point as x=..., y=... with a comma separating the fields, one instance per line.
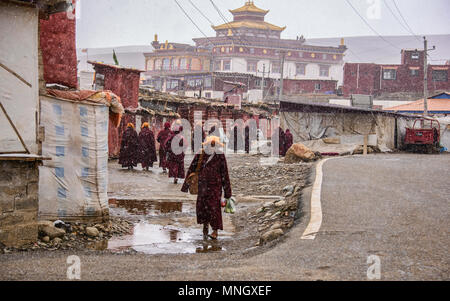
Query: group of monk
x=286, y=140
x=210, y=165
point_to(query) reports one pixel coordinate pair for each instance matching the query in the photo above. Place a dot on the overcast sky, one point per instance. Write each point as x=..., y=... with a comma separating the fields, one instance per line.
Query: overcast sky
x=108, y=23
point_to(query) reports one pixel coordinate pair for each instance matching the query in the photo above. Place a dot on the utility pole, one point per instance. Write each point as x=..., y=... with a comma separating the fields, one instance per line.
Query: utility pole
x=262, y=83
x=425, y=74
x=280, y=96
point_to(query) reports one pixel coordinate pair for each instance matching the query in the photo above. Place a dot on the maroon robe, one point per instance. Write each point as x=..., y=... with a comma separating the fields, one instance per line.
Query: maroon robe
x=162, y=139
x=289, y=141
x=129, y=148
x=281, y=142
x=213, y=177
x=175, y=163
x=147, y=149
x=247, y=139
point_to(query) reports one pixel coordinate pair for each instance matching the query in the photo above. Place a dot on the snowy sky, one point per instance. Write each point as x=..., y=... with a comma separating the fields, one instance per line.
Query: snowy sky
x=107, y=23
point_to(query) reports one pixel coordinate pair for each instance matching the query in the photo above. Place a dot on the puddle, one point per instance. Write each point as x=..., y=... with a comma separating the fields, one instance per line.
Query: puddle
x=150, y=207
x=165, y=227
x=157, y=239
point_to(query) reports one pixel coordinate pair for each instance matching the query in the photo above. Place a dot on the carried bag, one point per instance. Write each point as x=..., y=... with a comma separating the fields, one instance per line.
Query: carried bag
x=230, y=207
x=192, y=180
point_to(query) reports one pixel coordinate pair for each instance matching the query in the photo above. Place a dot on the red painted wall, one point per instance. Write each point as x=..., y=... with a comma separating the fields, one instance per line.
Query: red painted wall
x=295, y=87
x=368, y=80
x=125, y=84
x=57, y=40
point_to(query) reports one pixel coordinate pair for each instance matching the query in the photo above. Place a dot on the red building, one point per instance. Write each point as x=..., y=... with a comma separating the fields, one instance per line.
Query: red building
x=375, y=79
x=124, y=82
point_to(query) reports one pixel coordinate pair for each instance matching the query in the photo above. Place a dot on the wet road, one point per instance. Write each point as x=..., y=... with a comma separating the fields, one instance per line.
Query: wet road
x=393, y=206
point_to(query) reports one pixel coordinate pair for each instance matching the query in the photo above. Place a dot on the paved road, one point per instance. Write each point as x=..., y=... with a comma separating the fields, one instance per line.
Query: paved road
x=393, y=206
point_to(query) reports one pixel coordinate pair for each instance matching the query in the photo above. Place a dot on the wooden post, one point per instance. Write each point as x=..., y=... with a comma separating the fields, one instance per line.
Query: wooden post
x=366, y=141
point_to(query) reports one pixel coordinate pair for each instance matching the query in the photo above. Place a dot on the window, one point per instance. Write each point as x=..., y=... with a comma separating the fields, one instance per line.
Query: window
x=389, y=74
x=317, y=86
x=199, y=83
x=300, y=54
x=183, y=64
x=440, y=75
x=166, y=64
x=252, y=50
x=208, y=82
x=217, y=65
x=191, y=83
x=174, y=64
x=324, y=56
x=415, y=55
x=301, y=69
x=158, y=64
x=226, y=65
x=208, y=94
x=324, y=70
x=414, y=72
x=276, y=67
x=252, y=66
x=172, y=84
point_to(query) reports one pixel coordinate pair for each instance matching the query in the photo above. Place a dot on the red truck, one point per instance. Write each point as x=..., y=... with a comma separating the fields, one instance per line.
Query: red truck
x=424, y=136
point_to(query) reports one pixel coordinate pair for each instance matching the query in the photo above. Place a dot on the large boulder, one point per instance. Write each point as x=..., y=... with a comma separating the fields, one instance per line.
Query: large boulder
x=271, y=235
x=92, y=232
x=46, y=228
x=299, y=153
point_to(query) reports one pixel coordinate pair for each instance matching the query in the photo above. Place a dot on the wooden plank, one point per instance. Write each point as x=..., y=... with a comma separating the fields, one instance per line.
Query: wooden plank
x=14, y=127
x=16, y=75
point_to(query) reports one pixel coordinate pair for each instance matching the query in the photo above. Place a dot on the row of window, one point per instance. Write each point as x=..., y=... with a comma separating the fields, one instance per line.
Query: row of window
x=324, y=56
x=174, y=64
x=437, y=75
x=252, y=66
x=175, y=84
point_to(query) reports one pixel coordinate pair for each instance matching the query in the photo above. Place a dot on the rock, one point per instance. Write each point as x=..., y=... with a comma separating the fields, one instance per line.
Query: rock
x=271, y=235
x=92, y=231
x=45, y=239
x=287, y=189
x=280, y=204
x=332, y=140
x=299, y=153
x=277, y=225
x=57, y=240
x=51, y=231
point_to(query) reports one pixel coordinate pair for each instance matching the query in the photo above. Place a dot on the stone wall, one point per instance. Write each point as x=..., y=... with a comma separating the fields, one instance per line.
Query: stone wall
x=18, y=202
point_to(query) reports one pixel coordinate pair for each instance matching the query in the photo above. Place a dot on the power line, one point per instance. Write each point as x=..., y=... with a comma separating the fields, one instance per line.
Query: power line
x=399, y=22
x=227, y=24
x=204, y=16
x=404, y=20
x=367, y=23
x=187, y=15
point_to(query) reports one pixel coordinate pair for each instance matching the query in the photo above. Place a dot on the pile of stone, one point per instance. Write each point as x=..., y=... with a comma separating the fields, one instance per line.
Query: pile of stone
x=59, y=235
x=276, y=218
x=251, y=178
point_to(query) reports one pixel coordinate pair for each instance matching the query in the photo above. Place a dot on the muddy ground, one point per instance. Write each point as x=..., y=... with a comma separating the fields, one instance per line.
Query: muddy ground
x=150, y=215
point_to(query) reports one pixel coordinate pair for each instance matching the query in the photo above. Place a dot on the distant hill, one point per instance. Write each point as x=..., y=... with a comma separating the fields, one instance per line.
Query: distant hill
x=375, y=50
x=361, y=50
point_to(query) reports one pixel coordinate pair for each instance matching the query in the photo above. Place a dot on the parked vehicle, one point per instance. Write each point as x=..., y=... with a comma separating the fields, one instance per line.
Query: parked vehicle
x=424, y=136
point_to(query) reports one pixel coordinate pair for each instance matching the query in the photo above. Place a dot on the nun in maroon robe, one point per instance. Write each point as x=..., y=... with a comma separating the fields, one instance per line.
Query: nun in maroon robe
x=213, y=179
x=247, y=139
x=147, y=149
x=175, y=161
x=281, y=142
x=289, y=141
x=129, y=148
x=162, y=139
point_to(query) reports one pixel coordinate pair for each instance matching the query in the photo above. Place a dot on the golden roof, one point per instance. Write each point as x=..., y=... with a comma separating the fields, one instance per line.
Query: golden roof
x=249, y=24
x=249, y=7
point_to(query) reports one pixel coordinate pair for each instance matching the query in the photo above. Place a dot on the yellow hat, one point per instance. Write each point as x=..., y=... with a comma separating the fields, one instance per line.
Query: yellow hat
x=145, y=125
x=214, y=139
x=130, y=125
